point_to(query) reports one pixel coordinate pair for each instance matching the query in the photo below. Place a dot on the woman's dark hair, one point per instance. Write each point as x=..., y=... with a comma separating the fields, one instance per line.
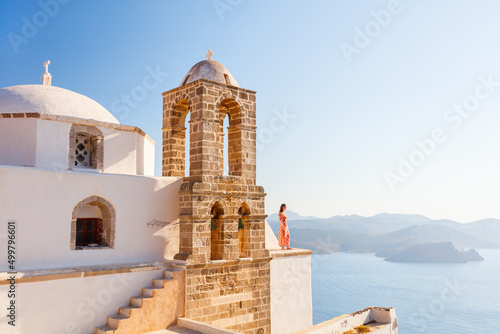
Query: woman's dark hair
x=282, y=207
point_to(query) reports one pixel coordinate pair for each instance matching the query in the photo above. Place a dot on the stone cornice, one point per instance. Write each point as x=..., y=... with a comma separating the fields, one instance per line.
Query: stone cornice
x=218, y=263
x=78, y=272
x=201, y=81
x=289, y=252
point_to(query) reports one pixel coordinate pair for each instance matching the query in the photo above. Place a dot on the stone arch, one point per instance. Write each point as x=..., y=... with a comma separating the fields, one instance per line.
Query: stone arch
x=174, y=134
x=106, y=224
x=244, y=209
x=217, y=232
x=86, y=147
x=229, y=107
x=179, y=110
x=243, y=229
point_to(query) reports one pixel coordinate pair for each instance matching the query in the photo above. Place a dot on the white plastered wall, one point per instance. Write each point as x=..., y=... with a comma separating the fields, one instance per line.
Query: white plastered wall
x=45, y=144
x=145, y=155
x=291, y=295
x=42, y=202
x=52, y=144
x=120, y=152
x=18, y=141
x=71, y=306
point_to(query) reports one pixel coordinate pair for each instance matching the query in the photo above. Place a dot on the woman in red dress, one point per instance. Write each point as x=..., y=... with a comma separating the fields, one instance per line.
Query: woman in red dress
x=283, y=234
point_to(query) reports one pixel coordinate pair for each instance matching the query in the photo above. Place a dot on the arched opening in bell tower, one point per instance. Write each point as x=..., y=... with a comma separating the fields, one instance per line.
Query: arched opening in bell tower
x=243, y=212
x=230, y=143
x=180, y=137
x=187, y=144
x=225, y=155
x=216, y=232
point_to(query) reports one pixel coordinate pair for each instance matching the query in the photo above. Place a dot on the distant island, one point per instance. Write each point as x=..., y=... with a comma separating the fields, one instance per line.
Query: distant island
x=391, y=235
x=442, y=252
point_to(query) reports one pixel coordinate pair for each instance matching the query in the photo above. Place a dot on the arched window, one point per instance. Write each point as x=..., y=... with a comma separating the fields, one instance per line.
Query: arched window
x=187, y=144
x=230, y=141
x=243, y=212
x=224, y=157
x=176, y=140
x=216, y=232
x=86, y=148
x=92, y=224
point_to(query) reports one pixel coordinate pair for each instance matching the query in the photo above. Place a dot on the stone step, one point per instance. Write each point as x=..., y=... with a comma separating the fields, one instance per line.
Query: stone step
x=104, y=330
x=137, y=301
x=160, y=282
x=126, y=311
x=113, y=321
x=149, y=292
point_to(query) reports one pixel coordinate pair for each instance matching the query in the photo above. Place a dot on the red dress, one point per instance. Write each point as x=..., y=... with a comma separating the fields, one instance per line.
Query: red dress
x=284, y=234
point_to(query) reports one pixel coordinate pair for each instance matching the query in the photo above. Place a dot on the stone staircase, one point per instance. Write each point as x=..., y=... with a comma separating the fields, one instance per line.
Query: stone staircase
x=156, y=308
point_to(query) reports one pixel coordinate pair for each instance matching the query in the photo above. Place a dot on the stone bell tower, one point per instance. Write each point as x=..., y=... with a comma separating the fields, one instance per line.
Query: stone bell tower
x=222, y=217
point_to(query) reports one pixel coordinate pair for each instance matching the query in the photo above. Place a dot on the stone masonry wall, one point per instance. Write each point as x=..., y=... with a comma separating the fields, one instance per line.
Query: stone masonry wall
x=234, y=295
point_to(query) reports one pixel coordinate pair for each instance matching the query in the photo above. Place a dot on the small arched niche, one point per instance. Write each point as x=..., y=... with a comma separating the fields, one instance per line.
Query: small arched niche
x=216, y=232
x=92, y=224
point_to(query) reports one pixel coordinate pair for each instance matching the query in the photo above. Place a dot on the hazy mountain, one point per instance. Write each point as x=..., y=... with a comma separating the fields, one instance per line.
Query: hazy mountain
x=443, y=252
x=291, y=216
x=487, y=229
x=319, y=241
x=379, y=224
x=385, y=234
x=414, y=235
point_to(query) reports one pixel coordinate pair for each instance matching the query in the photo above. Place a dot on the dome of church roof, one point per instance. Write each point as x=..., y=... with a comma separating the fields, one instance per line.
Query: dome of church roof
x=50, y=100
x=209, y=70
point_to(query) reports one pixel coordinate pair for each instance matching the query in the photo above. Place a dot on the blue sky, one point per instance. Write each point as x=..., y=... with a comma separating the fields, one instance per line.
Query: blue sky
x=346, y=90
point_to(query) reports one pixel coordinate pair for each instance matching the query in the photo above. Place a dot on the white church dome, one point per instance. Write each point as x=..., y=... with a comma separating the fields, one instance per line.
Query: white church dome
x=209, y=70
x=52, y=100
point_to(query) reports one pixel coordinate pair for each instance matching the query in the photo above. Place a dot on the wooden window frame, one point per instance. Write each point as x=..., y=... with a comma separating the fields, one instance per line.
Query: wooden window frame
x=95, y=231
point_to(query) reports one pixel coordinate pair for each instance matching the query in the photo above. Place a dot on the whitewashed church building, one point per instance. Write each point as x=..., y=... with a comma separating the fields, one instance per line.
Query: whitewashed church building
x=93, y=242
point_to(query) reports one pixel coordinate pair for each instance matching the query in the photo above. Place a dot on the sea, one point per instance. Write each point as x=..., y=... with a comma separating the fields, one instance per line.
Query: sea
x=458, y=298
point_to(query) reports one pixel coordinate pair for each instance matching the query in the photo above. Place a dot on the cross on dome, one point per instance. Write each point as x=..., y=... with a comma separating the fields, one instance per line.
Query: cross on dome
x=46, y=77
x=210, y=54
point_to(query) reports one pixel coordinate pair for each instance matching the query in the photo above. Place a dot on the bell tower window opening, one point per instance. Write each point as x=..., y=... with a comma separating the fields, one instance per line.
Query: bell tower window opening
x=187, y=145
x=226, y=78
x=225, y=154
x=185, y=80
x=243, y=212
x=230, y=134
x=216, y=232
